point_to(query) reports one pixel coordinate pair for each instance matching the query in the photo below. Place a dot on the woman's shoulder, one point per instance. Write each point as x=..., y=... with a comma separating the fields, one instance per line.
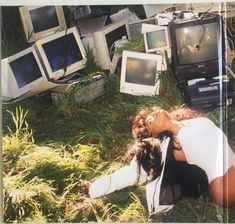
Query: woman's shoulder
x=198, y=121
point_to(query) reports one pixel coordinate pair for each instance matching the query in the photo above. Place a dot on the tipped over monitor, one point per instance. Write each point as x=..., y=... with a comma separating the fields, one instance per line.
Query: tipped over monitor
x=139, y=73
x=61, y=54
x=22, y=74
x=41, y=21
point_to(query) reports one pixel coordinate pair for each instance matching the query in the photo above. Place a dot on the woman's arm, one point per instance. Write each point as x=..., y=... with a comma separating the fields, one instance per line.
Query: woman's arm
x=124, y=177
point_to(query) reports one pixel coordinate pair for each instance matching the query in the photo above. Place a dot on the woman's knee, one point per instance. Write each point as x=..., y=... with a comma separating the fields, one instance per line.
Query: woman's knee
x=222, y=189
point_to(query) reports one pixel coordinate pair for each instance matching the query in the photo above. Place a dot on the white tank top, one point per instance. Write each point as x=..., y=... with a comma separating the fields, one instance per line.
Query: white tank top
x=206, y=146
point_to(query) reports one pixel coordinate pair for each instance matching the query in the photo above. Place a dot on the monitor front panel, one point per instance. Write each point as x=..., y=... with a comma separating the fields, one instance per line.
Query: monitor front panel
x=62, y=52
x=44, y=18
x=25, y=69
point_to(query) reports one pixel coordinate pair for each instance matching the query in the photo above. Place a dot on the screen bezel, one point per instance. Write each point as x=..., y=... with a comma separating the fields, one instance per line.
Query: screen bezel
x=139, y=89
x=10, y=78
x=30, y=34
x=70, y=69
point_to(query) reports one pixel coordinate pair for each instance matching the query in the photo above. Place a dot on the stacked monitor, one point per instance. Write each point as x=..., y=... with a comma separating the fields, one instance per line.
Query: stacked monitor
x=139, y=72
x=156, y=38
x=62, y=53
x=41, y=21
x=57, y=52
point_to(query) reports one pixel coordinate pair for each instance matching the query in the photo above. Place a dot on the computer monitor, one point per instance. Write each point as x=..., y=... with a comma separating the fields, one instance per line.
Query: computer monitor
x=197, y=48
x=104, y=41
x=156, y=39
x=61, y=54
x=139, y=73
x=41, y=21
x=22, y=74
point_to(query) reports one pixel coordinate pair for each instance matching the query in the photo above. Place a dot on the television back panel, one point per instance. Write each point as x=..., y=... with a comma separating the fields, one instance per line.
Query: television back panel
x=41, y=21
x=105, y=39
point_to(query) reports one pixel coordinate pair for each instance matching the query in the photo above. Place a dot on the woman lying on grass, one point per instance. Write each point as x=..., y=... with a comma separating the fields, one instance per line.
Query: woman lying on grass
x=180, y=178
x=197, y=141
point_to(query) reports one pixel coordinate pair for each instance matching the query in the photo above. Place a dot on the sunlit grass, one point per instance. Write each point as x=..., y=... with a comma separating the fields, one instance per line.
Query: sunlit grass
x=43, y=167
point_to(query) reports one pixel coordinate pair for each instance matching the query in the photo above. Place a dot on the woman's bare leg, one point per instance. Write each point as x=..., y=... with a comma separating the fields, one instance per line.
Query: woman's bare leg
x=222, y=189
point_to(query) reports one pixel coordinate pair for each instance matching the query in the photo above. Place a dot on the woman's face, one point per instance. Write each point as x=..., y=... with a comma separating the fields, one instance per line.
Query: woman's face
x=157, y=121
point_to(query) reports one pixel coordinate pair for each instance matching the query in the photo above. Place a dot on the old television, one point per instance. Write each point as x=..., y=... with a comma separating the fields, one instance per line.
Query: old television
x=139, y=73
x=41, y=21
x=197, y=48
x=105, y=39
x=23, y=74
x=156, y=39
x=61, y=54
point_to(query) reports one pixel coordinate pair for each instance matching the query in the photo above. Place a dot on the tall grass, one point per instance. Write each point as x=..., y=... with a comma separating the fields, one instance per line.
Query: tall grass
x=44, y=180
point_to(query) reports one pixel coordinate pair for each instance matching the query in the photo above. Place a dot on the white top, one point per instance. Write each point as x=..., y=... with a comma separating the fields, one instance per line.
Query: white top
x=129, y=176
x=206, y=146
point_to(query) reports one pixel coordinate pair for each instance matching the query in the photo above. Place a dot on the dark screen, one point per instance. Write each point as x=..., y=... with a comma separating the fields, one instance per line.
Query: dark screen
x=25, y=69
x=141, y=71
x=115, y=35
x=62, y=52
x=206, y=36
x=44, y=18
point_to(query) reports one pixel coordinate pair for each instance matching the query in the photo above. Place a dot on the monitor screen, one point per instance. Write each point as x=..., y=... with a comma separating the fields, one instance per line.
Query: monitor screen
x=44, y=18
x=25, y=69
x=115, y=35
x=141, y=71
x=156, y=39
x=62, y=52
x=205, y=36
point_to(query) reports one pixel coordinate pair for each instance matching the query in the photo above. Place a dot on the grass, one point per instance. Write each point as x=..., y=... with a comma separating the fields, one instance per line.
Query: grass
x=50, y=151
x=43, y=166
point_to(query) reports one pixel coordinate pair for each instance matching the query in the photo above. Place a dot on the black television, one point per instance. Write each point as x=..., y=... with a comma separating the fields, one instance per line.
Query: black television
x=197, y=48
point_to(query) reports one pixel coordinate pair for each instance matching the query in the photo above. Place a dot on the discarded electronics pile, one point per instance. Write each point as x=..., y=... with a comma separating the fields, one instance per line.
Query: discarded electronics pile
x=190, y=40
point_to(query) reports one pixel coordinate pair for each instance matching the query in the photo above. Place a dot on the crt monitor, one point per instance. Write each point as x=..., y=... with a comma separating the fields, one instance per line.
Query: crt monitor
x=105, y=39
x=156, y=38
x=139, y=73
x=24, y=74
x=197, y=48
x=62, y=53
x=41, y=21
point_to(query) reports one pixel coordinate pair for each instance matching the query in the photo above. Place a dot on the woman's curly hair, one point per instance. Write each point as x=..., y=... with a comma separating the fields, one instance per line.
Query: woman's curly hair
x=149, y=156
x=139, y=127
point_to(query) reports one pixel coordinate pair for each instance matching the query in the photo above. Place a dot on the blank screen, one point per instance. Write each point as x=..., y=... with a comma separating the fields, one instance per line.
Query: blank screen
x=141, y=71
x=25, y=69
x=188, y=37
x=156, y=39
x=44, y=18
x=115, y=35
x=62, y=52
